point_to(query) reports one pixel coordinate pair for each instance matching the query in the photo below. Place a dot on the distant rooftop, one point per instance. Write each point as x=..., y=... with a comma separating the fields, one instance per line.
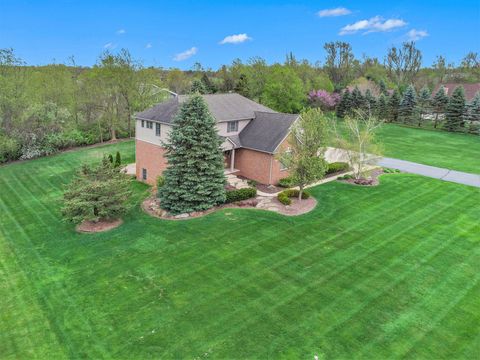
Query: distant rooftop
x=470, y=89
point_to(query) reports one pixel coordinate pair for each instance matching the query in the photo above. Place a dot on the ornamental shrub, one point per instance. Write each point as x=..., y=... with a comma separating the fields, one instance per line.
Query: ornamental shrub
x=285, y=196
x=286, y=182
x=240, y=194
x=337, y=167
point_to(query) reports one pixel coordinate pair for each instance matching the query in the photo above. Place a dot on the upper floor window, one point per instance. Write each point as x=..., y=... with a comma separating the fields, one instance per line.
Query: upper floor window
x=157, y=129
x=143, y=123
x=149, y=125
x=232, y=126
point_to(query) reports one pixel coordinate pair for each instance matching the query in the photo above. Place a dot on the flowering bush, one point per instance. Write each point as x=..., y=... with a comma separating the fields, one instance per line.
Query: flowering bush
x=324, y=99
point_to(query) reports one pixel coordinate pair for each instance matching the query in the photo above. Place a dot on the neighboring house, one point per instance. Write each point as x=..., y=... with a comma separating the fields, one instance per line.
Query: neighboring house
x=252, y=135
x=470, y=89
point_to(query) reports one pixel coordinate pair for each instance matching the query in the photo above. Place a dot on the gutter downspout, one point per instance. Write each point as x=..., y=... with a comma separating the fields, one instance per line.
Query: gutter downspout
x=270, y=174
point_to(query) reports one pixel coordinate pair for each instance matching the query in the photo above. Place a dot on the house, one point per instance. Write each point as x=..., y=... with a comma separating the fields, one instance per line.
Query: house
x=252, y=135
x=470, y=89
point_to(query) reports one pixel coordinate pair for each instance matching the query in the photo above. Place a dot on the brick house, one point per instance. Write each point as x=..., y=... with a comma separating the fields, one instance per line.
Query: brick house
x=252, y=135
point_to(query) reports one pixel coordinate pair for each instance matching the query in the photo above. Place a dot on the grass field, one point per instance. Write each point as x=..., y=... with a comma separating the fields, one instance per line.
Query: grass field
x=459, y=152
x=383, y=272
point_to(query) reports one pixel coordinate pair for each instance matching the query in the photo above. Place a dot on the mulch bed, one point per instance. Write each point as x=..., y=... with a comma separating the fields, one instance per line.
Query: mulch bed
x=297, y=207
x=99, y=226
x=372, y=180
x=269, y=189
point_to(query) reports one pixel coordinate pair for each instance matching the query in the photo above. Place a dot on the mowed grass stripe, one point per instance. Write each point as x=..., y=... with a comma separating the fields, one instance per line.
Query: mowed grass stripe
x=249, y=283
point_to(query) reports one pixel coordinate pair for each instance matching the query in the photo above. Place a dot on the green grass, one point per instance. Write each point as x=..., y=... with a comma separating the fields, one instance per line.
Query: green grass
x=383, y=272
x=455, y=151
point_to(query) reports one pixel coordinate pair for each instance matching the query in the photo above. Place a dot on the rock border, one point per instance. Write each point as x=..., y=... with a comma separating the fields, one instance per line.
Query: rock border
x=259, y=203
x=91, y=227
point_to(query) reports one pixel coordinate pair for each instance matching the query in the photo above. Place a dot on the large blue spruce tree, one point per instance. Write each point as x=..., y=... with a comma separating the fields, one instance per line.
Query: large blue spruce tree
x=194, y=178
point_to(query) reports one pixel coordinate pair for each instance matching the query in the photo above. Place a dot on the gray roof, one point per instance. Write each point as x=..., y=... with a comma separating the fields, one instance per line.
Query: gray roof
x=224, y=107
x=266, y=131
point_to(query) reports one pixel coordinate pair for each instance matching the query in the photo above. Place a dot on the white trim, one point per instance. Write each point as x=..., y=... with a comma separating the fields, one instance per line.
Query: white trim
x=156, y=121
x=149, y=142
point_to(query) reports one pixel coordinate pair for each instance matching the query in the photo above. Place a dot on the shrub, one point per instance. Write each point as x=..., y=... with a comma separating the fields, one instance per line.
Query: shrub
x=337, y=167
x=252, y=183
x=9, y=149
x=285, y=195
x=346, y=177
x=118, y=159
x=286, y=182
x=240, y=194
x=390, y=171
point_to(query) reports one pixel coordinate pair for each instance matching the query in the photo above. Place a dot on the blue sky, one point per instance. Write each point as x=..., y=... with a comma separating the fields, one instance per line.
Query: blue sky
x=180, y=33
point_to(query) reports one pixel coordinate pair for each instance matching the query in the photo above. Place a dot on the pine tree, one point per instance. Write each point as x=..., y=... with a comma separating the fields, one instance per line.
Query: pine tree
x=242, y=86
x=423, y=103
x=357, y=99
x=197, y=87
x=209, y=87
x=439, y=103
x=393, y=106
x=96, y=193
x=455, y=110
x=382, y=87
x=370, y=103
x=407, y=110
x=194, y=178
x=118, y=159
x=474, y=115
x=344, y=107
x=382, y=107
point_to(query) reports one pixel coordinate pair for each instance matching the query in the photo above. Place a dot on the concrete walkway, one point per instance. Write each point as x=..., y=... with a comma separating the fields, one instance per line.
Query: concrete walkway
x=432, y=171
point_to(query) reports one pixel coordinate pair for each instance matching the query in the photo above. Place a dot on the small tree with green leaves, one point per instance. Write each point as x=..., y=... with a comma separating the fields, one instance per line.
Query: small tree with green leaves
x=423, y=103
x=194, y=178
x=455, y=110
x=408, y=105
x=304, y=157
x=96, y=193
x=439, y=104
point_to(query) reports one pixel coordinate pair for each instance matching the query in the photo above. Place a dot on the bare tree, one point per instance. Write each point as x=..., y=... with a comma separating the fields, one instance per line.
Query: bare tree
x=404, y=63
x=471, y=60
x=358, y=141
x=339, y=62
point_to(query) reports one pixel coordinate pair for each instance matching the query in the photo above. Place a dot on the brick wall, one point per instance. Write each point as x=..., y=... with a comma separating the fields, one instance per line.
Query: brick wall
x=256, y=165
x=150, y=157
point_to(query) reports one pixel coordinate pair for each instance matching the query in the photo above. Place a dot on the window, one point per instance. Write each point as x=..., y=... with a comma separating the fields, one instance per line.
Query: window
x=157, y=129
x=144, y=174
x=149, y=125
x=143, y=123
x=232, y=126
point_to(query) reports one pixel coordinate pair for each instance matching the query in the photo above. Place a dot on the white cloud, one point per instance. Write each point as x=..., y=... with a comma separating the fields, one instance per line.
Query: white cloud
x=375, y=24
x=121, y=32
x=148, y=46
x=186, y=54
x=415, y=35
x=109, y=46
x=340, y=11
x=235, y=39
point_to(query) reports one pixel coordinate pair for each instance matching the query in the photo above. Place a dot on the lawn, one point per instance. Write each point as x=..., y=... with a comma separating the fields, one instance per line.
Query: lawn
x=383, y=272
x=454, y=151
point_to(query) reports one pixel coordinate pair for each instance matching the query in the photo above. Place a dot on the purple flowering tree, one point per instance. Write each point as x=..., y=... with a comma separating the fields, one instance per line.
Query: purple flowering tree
x=323, y=99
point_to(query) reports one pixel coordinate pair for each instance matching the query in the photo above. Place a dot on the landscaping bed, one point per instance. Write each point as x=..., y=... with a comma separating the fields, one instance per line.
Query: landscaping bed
x=98, y=226
x=370, y=180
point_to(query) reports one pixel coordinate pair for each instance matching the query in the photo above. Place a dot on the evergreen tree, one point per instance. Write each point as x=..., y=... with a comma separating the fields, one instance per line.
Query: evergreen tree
x=242, y=86
x=118, y=159
x=382, y=107
x=194, y=178
x=209, y=87
x=197, y=87
x=382, y=87
x=393, y=106
x=455, y=110
x=370, y=103
x=345, y=105
x=423, y=104
x=407, y=110
x=439, y=103
x=474, y=115
x=357, y=99
x=96, y=193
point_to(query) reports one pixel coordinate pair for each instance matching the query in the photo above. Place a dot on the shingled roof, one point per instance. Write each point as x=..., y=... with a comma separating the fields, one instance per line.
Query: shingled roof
x=470, y=89
x=224, y=107
x=266, y=130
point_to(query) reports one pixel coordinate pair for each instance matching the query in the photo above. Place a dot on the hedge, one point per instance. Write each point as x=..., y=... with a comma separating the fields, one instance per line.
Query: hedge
x=240, y=194
x=337, y=167
x=285, y=195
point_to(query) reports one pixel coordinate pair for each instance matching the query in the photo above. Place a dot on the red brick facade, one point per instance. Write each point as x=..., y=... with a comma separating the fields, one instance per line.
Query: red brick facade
x=255, y=165
x=149, y=157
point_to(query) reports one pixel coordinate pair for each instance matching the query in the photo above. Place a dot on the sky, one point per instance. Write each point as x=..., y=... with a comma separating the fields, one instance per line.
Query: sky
x=181, y=33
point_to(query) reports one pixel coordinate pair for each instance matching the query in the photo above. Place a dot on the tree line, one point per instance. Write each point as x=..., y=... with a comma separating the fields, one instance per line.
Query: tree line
x=47, y=108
